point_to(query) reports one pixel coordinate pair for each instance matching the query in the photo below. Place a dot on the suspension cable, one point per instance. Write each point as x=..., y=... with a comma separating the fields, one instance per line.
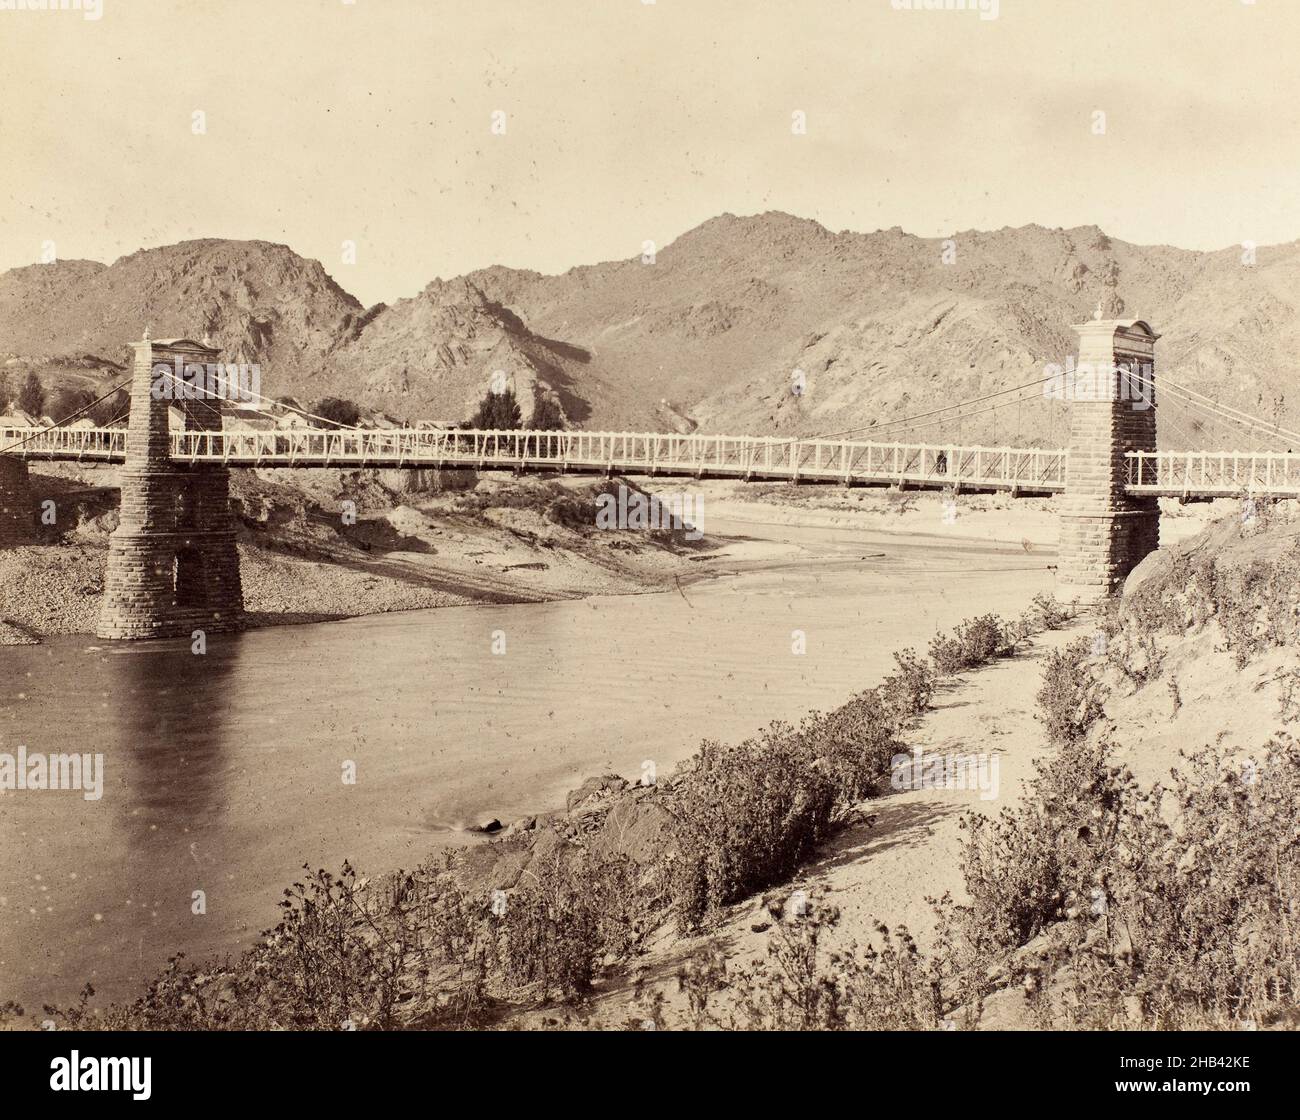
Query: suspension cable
x=933, y=411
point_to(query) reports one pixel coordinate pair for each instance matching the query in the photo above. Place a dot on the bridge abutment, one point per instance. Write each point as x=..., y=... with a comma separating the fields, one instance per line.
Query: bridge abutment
x=1105, y=531
x=17, y=525
x=173, y=565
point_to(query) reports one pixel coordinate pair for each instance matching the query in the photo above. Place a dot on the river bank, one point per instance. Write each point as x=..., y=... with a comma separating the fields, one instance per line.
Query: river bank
x=223, y=771
x=897, y=854
x=328, y=545
x=447, y=736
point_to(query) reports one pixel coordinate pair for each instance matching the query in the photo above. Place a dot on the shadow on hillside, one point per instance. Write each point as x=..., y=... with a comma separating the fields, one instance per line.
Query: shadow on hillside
x=548, y=353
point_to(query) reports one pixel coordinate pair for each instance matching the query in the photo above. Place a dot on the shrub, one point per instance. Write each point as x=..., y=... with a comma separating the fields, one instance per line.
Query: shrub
x=973, y=643
x=906, y=694
x=497, y=412
x=1151, y=924
x=551, y=928
x=1048, y=614
x=946, y=654
x=31, y=397
x=1068, y=699
x=749, y=814
x=340, y=413
x=799, y=987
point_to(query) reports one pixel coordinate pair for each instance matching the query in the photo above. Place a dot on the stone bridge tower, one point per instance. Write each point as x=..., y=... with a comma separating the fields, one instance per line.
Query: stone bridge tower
x=173, y=567
x=1105, y=532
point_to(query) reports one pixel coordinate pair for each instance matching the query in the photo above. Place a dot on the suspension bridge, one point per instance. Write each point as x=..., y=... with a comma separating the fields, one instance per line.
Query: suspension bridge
x=173, y=565
x=1024, y=470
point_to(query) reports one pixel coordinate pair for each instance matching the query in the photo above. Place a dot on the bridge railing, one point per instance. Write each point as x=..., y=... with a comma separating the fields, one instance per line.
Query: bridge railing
x=642, y=452
x=1213, y=472
x=770, y=457
x=94, y=444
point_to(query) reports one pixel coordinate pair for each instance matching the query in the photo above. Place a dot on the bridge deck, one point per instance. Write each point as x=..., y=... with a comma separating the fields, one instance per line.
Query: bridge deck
x=1203, y=474
x=1022, y=470
x=1214, y=474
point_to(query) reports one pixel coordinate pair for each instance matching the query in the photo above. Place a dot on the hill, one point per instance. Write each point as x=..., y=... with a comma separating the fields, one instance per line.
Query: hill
x=708, y=335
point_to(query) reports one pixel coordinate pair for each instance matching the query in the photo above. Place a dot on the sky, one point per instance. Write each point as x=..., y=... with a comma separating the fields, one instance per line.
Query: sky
x=326, y=122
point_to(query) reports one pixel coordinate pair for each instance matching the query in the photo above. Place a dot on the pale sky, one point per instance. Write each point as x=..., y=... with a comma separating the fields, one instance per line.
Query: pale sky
x=626, y=121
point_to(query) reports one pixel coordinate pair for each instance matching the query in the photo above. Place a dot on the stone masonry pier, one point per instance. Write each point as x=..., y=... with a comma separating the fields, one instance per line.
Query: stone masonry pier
x=1105, y=531
x=173, y=567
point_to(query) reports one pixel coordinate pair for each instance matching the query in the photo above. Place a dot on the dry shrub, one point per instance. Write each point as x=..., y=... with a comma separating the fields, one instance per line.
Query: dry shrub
x=1068, y=699
x=801, y=986
x=1158, y=925
x=563, y=918
x=973, y=643
x=749, y=814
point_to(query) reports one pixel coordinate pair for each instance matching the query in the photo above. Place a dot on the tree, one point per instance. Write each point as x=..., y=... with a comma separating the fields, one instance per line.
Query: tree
x=68, y=401
x=498, y=412
x=342, y=412
x=31, y=397
x=4, y=391
x=547, y=416
x=114, y=410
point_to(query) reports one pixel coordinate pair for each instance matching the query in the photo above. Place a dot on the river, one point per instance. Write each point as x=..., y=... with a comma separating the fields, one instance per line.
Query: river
x=224, y=773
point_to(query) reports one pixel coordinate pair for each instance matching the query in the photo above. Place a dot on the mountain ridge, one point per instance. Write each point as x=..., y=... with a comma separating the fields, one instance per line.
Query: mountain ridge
x=715, y=331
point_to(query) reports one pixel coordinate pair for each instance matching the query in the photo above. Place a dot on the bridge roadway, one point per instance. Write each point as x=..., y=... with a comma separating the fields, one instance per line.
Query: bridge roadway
x=1028, y=471
x=1019, y=470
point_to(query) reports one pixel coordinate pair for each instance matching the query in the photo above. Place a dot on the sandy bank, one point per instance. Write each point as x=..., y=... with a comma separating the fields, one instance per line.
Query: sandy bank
x=903, y=849
x=330, y=545
x=496, y=539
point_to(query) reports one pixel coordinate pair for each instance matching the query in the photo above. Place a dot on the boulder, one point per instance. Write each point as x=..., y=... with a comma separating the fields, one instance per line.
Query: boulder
x=638, y=827
x=594, y=789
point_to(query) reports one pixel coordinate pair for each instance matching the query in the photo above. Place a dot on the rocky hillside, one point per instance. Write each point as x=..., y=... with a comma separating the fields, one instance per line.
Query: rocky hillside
x=710, y=334
x=260, y=302
x=435, y=355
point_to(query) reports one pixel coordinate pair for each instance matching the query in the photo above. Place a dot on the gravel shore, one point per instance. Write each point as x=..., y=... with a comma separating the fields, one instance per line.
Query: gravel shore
x=499, y=540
